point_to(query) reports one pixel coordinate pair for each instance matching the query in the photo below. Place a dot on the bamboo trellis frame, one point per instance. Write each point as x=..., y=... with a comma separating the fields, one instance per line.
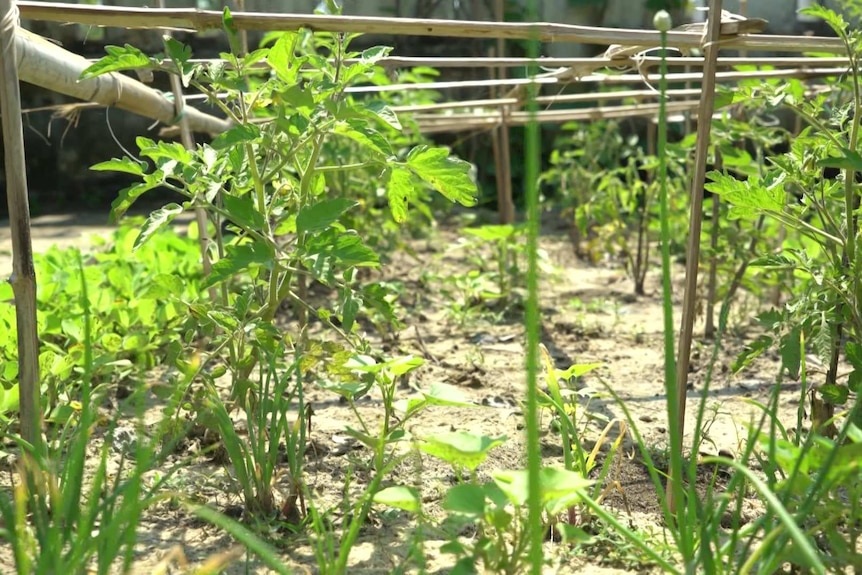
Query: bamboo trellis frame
x=121, y=91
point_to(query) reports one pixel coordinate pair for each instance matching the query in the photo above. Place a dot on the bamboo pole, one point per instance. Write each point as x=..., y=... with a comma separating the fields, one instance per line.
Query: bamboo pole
x=465, y=124
x=609, y=79
x=692, y=259
x=506, y=206
x=550, y=62
x=188, y=140
x=193, y=19
x=23, y=277
x=47, y=65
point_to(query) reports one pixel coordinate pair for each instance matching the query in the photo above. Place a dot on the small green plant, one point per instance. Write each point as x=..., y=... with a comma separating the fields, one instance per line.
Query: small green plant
x=496, y=510
x=56, y=518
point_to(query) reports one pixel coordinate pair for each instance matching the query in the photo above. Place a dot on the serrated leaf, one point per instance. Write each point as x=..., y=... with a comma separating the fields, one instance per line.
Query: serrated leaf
x=242, y=212
x=127, y=197
x=163, y=287
x=853, y=352
x=367, y=137
x=229, y=26
x=774, y=262
x=374, y=54
x=849, y=160
x=239, y=259
x=834, y=394
x=282, y=56
x=751, y=352
x=400, y=497
x=448, y=175
x=749, y=198
x=235, y=136
x=322, y=214
x=119, y=58
x=791, y=353
x=400, y=190
x=156, y=221
x=382, y=112
x=124, y=165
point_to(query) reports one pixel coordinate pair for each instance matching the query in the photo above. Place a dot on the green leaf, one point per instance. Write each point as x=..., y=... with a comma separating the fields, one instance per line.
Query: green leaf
x=163, y=287
x=853, y=352
x=492, y=233
x=834, y=394
x=366, y=137
x=128, y=196
x=180, y=54
x=232, y=31
x=282, y=57
x=322, y=214
x=243, y=212
x=447, y=395
x=773, y=262
x=849, y=160
x=448, y=175
x=400, y=190
x=126, y=58
x=125, y=165
x=750, y=198
x=560, y=488
x=157, y=220
x=578, y=370
x=791, y=353
x=465, y=499
x=382, y=112
x=239, y=259
x=752, y=352
x=235, y=136
x=460, y=448
x=400, y=497
x=8, y=398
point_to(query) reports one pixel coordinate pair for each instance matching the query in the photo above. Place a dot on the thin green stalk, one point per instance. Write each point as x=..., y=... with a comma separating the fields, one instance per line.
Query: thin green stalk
x=532, y=144
x=676, y=462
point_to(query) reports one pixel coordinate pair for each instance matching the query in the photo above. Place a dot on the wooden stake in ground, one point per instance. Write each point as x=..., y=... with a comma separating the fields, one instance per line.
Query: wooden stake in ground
x=23, y=278
x=704, y=127
x=506, y=207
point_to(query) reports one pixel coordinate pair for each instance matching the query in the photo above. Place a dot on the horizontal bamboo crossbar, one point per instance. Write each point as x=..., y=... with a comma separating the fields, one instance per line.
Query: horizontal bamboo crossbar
x=192, y=19
x=463, y=123
x=804, y=73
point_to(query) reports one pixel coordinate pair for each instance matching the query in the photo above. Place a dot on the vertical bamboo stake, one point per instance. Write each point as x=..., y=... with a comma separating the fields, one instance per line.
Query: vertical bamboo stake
x=23, y=278
x=712, y=282
x=505, y=207
x=189, y=143
x=704, y=126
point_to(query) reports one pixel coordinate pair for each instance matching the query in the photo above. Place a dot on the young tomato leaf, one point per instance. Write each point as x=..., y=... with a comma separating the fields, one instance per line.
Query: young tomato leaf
x=125, y=165
x=118, y=58
x=849, y=160
x=157, y=220
x=236, y=135
x=748, y=199
x=366, y=137
x=238, y=259
x=282, y=57
x=322, y=214
x=242, y=212
x=382, y=112
x=400, y=190
x=448, y=175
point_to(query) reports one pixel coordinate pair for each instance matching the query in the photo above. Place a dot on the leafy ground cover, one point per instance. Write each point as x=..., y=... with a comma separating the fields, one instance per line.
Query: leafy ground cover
x=589, y=317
